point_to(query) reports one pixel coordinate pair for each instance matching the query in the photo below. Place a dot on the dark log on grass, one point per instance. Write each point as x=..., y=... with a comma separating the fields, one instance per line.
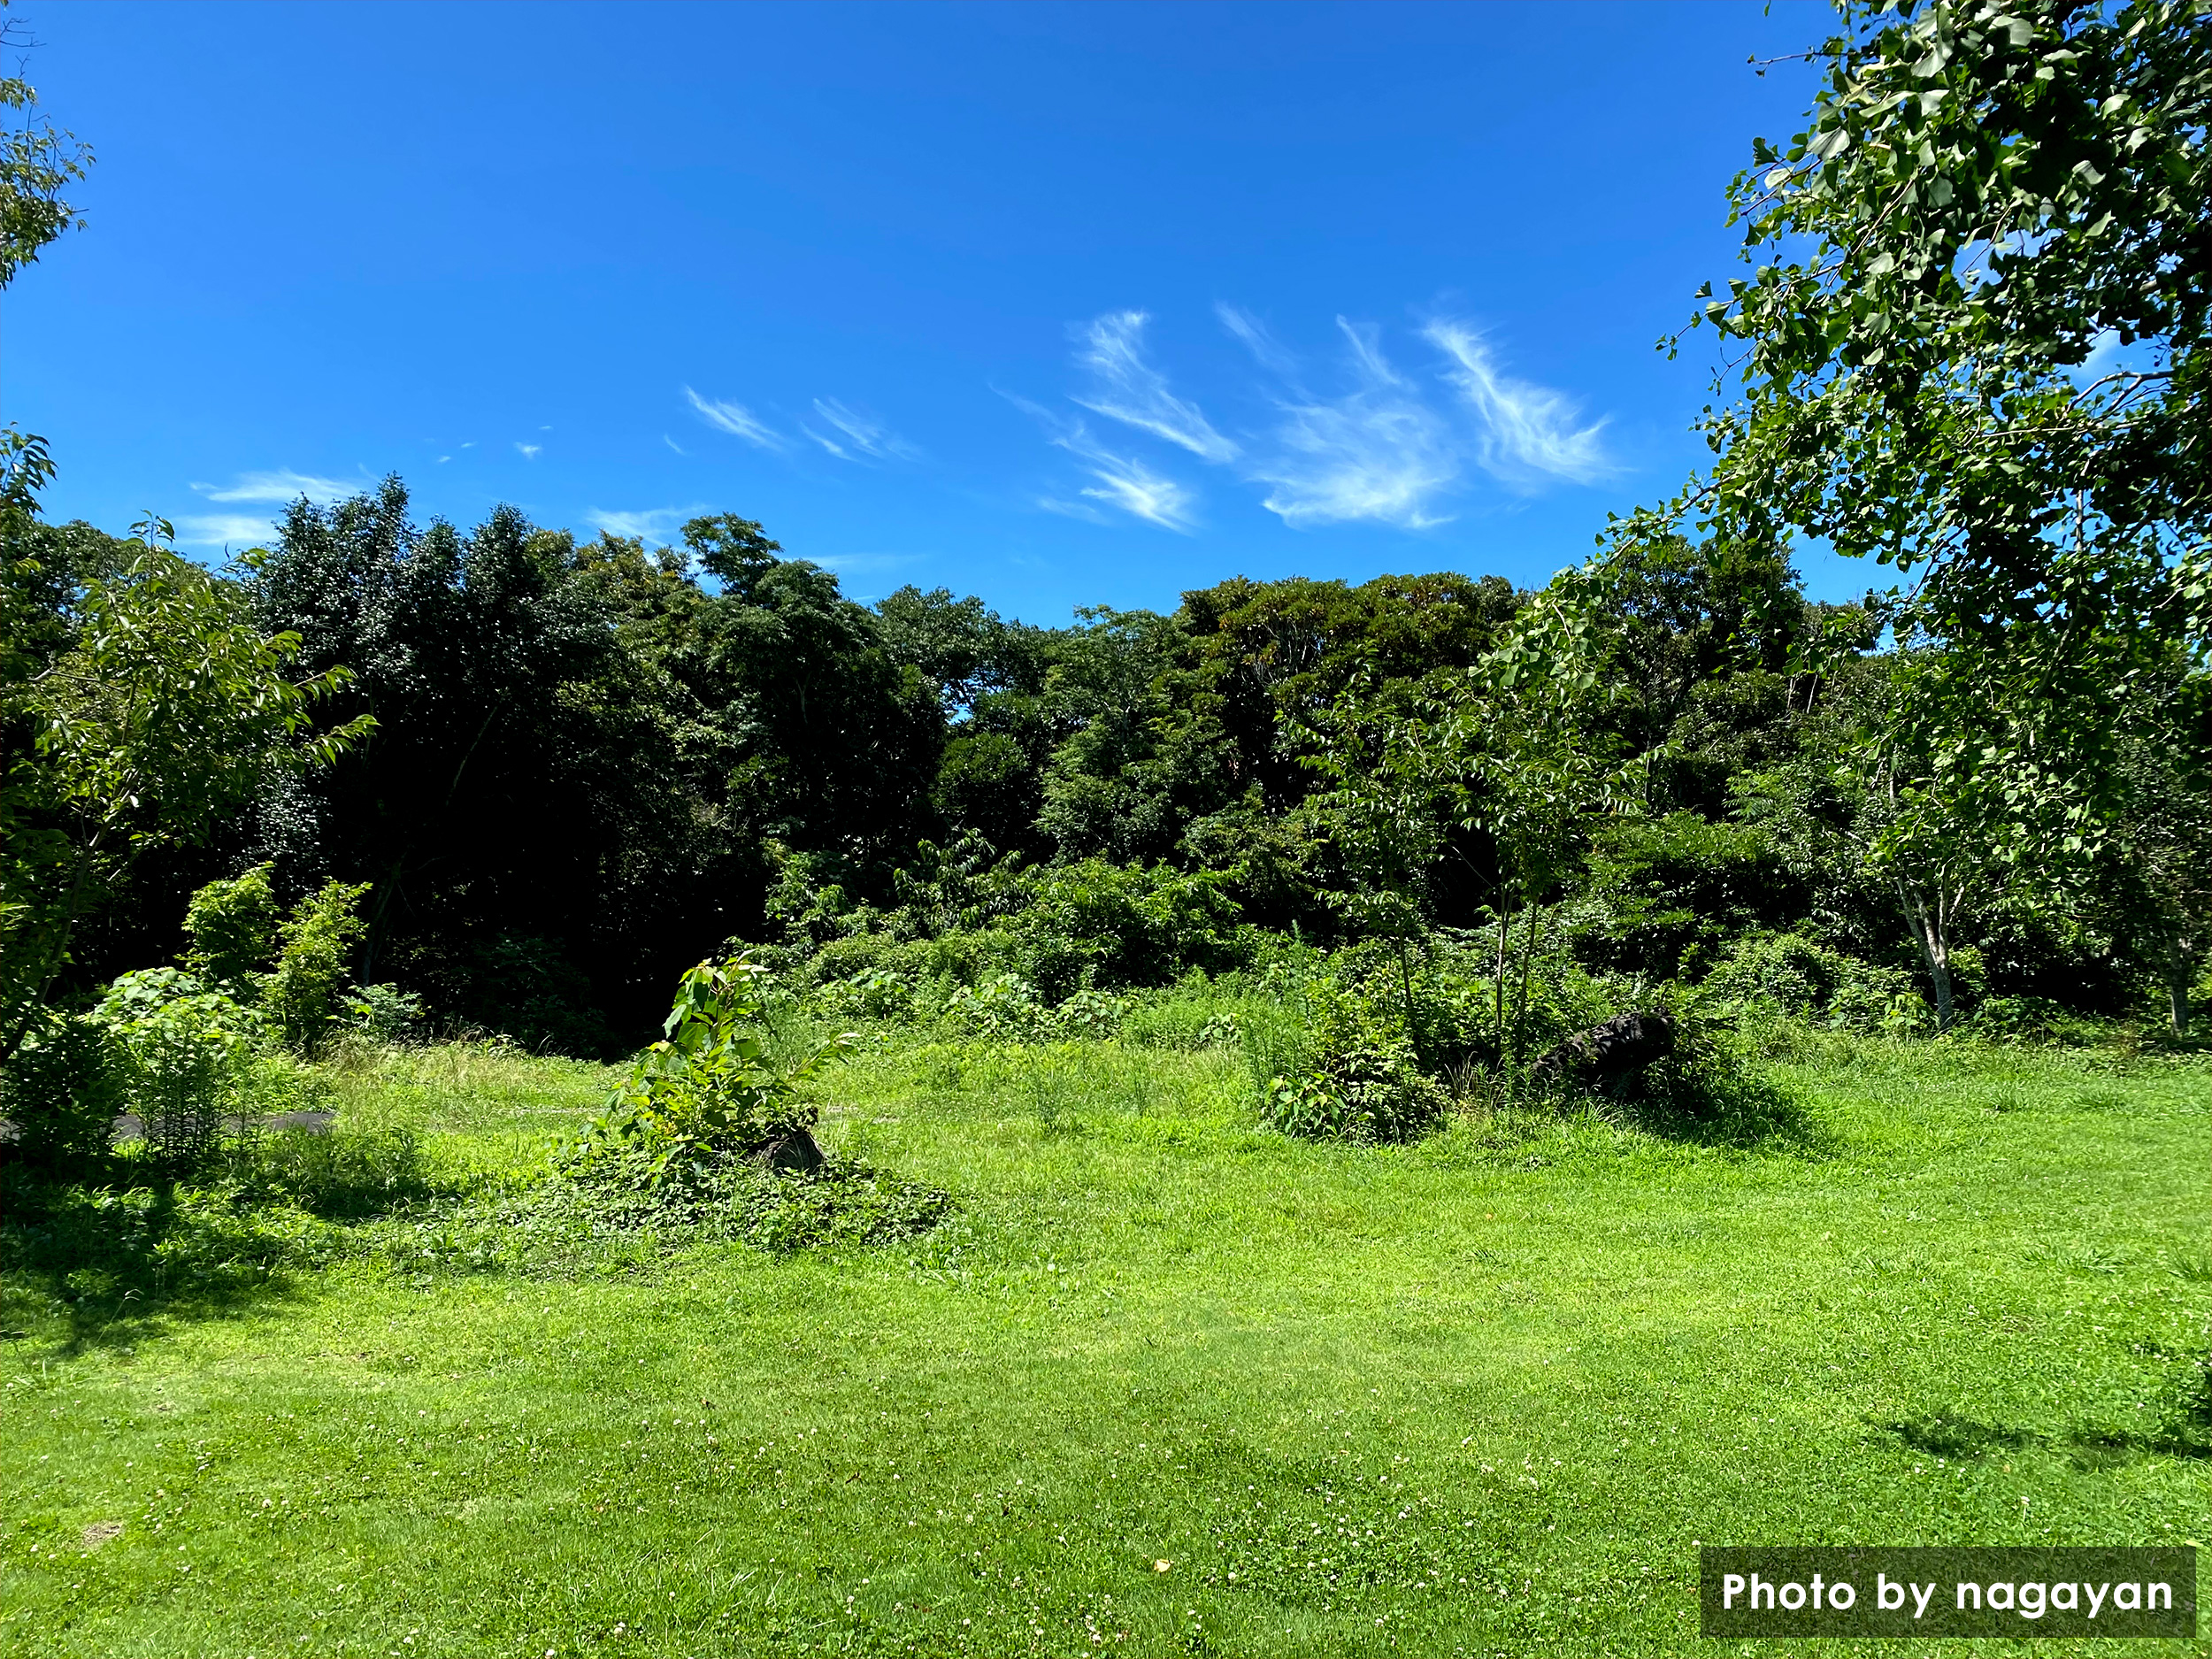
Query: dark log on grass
x=1612, y=1049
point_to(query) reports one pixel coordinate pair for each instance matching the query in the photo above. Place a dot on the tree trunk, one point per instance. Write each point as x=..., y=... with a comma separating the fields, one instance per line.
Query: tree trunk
x=2177, y=994
x=1413, y=1025
x=1528, y=960
x=1501, y=940
x=1933, y=936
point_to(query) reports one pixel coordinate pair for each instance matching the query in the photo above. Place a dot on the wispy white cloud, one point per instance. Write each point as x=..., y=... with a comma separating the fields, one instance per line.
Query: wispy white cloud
x=284, y=485
x=1374, y=444
x=1257, y=340
x=1127, y=387
x=1082, y=510
x=1124, y=482
x=857, y=432
x=224, y=529
x=737, y=421
x=654, y=524
x=529, y=451
x=1378, y=452
x=1527, y=434
x=443, y=460
x=867, y=563
x=1120, y=482
x=672, y=444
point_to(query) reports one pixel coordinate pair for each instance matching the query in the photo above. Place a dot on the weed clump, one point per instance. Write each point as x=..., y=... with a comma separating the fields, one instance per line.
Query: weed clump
x=708, y=1137
x=721, y=1195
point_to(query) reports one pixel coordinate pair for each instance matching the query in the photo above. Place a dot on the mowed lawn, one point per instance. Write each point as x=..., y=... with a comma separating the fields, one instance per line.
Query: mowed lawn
x=1167, y=1384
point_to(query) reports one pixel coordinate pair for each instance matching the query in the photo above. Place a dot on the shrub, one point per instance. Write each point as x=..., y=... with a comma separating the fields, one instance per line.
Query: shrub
x=302, y=998
x=63, y=1089
x=232, y=927
x=1360, y=1080
x=1003, y=1008
x=877, y=993
x=843, y=958
x=1666, y=892
x=1110, y=925
x=2033, y=1018
x=711, y=1084
x=1087, y=1014
x=1792, y=976
x=185, y=1057
x=1366, y=1095
x=384, y=1013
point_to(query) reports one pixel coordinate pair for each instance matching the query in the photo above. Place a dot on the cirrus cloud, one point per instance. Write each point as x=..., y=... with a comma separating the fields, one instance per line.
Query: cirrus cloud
x=1358, y=439
x=736, y=419
x=285, y=485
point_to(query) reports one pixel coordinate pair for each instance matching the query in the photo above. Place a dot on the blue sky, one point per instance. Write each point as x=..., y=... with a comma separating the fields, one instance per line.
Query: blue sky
x=1057, y=304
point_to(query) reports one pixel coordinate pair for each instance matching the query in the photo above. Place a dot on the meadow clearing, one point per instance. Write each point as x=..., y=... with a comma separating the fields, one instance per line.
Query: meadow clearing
x=1160, y=1382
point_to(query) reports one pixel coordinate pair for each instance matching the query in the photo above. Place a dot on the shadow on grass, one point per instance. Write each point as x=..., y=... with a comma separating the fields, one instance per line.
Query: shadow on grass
x=1712, y=1098
x=109, y=1246
x=2186, y=1432
x=1959, y=1439
x=108, y=1265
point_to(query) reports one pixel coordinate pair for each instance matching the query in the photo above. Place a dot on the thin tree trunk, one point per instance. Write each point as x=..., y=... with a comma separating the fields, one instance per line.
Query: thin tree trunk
x=2177, y=994
x=1932, y=935
x=1503, y=920
x=1413, y=1025
x=1528, y=961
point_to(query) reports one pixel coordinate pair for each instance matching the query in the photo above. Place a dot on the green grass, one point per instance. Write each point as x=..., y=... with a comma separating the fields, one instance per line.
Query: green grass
x=1484, y=1393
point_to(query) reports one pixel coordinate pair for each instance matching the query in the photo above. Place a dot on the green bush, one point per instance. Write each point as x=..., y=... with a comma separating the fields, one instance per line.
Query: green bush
x=1665, y=893
x=842, y=959
x=711, y=1083
x=1095, y=923
x=384, y=1013
x=1790, y=975
x=63, y=1089
x=1002, y=1007
x=1359, y=1080
x=876, y=993
x=184, y=1057
x=303, y=995
x=232, y=926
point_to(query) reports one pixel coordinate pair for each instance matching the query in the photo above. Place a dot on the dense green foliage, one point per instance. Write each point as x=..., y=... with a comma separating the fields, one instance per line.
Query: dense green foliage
x=592, y=764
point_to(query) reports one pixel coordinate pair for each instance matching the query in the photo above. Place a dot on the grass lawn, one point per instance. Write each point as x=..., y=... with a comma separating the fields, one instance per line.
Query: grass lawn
x=1164, y=1383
